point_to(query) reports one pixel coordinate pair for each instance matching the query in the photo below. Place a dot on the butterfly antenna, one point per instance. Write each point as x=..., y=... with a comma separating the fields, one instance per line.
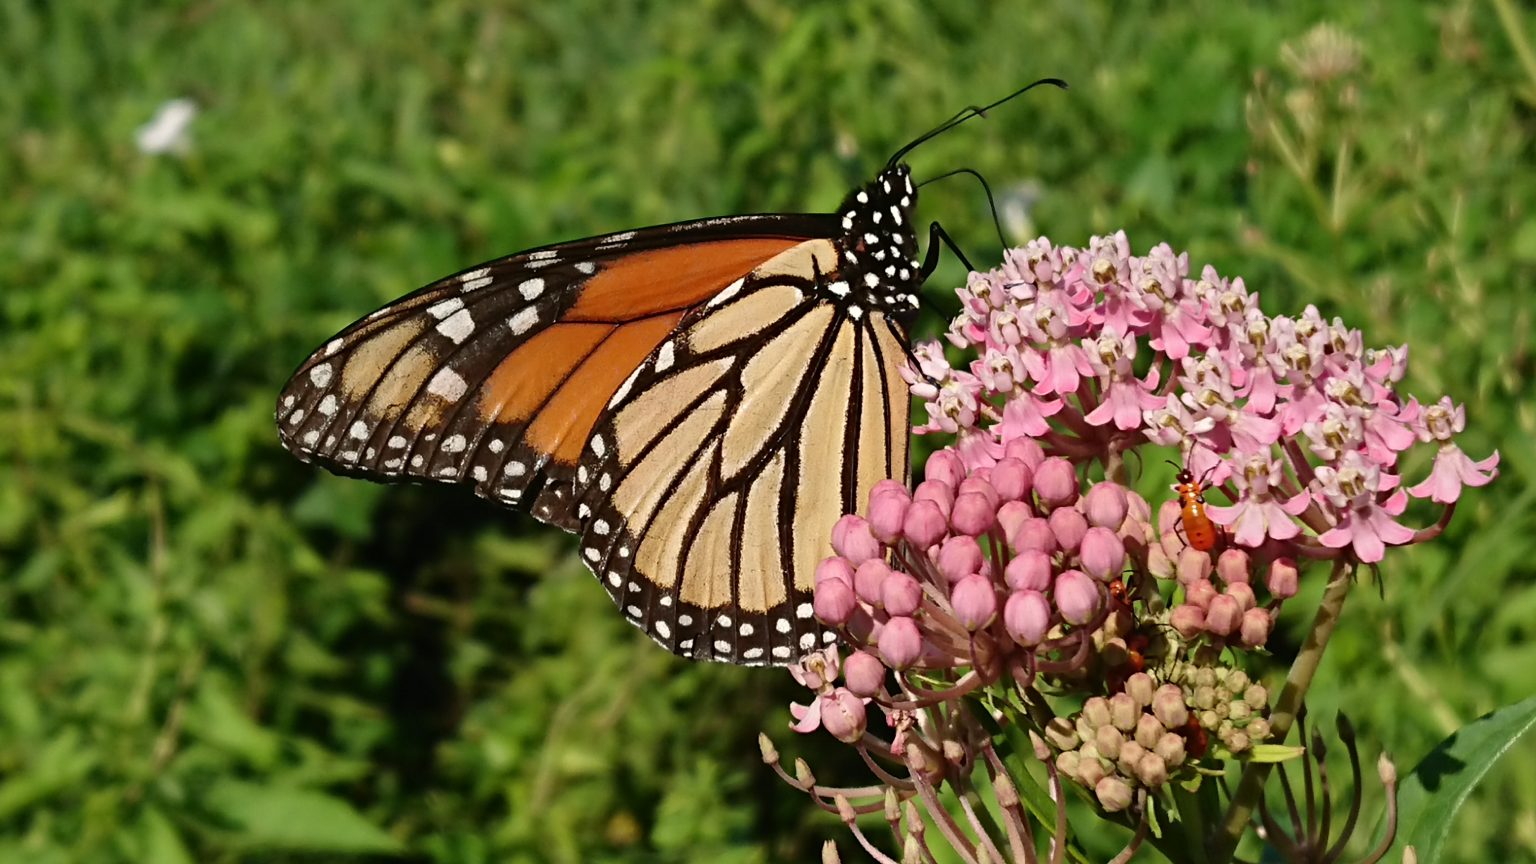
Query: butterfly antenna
x=991, y=202
x=968, y=113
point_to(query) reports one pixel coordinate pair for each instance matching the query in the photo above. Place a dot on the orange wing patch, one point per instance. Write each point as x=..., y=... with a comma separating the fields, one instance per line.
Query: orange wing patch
x=525, y=378
x=664, y=280
x=566, y=420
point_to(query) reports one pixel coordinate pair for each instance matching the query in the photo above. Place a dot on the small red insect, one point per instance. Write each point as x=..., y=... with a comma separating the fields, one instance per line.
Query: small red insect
x=1199, y=531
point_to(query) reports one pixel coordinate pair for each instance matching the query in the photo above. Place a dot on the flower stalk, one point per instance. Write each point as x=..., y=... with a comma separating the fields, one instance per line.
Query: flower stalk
x=1292, y=697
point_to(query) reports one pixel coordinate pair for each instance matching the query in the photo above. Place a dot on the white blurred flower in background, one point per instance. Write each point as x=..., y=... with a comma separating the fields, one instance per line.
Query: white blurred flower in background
x=168, y=130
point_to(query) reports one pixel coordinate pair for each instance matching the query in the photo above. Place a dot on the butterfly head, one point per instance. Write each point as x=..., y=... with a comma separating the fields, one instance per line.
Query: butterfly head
x=879, y=243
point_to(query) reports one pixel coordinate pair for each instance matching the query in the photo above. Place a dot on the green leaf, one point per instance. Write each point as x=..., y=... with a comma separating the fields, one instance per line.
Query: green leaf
x=1430, y=796
x=285, y=818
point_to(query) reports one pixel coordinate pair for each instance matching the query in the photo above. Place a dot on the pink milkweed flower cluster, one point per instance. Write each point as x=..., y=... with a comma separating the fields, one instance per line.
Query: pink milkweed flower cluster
x=1292, y=417
x=992, y=569
x=1011, y=576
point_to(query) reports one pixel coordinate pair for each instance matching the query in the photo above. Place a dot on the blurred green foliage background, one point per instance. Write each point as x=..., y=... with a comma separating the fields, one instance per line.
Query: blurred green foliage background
x=210, y=652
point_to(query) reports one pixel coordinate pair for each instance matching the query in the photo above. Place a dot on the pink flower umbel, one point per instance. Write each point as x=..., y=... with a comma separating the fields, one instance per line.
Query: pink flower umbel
x=1023, y=582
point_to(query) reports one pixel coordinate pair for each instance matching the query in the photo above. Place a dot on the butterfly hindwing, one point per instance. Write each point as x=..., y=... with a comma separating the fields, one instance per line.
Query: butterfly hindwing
x=711, y=484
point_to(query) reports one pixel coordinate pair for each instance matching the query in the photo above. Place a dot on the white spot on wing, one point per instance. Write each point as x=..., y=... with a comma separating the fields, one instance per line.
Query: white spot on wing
x=327, y=405
x=515, y=469
x=587, y=267
x=358, y=430
x=727, y=292
x=619, y=394
x=320, y=376
x=523, y=321
x=447, y=384
x=477, y=284
x=454, y=444
x=444, y=309
x=531, y=288
x=665, y=356
x=458, y=326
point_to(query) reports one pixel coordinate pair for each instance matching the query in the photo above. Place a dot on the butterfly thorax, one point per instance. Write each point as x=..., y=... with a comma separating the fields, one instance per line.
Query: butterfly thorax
x=878, y=265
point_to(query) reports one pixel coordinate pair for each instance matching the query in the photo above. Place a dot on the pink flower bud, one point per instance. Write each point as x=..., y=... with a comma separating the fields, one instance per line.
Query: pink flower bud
x=1223, y=616
x=924, y=524
x=946, y=467
x=1242, y=592
x=864, y=673
x=1102, y=553
x=889, y=487
x=1169, y=523
x=901, y=594
x=1069, y=526
x=1168, y=706
x=1108, y=740
x=842, y=714
x=1141, y=688
x=852, y=539
x=1282, y=579
x=835, y=567
x=1026, y=450
x=974, y=601
x=1232, y=566
x=1152, y=771
x=1254, y=630
x=1027, y=617
x=868, y=579
x=978, y=484
x=1012, y=478
x=1123, y=711
x=1011, y=515
x=1193, y=564
x=1113, y=793
x=1056, y=482
x=886, y=513
x=1148, y=730
x=1188, y=619
x=1029, y=570
x=1105, y=505
x=973, y=514
x=1200, y=593
x=1077, y=596
x=959, y=557
x=1159, y=564
x=1170, y=749
x=834, y=602
x=900, y=642
x=1034, y=533
x=938, y=492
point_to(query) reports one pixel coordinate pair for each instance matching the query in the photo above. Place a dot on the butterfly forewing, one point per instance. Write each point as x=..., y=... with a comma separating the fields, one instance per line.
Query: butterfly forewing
x=496, y=375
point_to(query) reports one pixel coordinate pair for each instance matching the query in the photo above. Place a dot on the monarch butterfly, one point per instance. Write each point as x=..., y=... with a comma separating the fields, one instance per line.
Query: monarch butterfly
x=699, y=401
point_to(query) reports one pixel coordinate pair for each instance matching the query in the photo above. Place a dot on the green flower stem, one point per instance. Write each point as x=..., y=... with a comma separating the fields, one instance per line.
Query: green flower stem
x=1292, y=696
